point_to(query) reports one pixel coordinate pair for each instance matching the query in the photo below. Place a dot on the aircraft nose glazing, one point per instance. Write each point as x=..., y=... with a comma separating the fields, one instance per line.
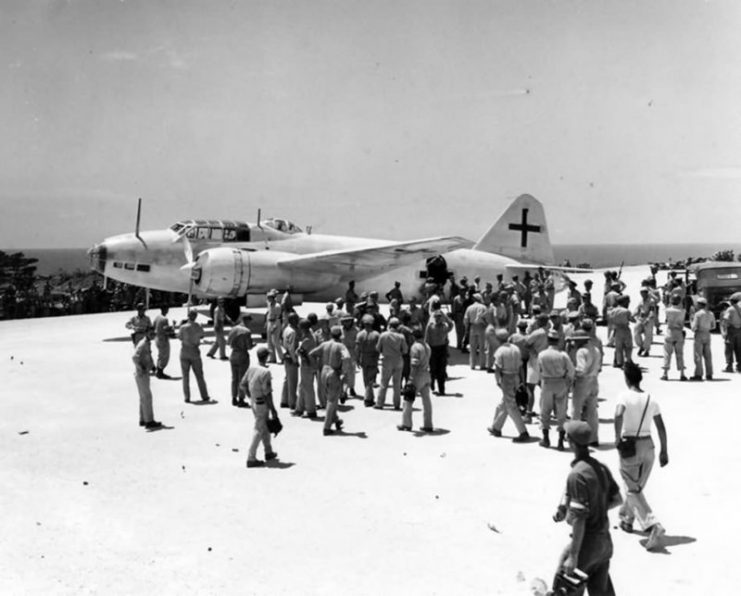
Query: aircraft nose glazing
x=98, y=255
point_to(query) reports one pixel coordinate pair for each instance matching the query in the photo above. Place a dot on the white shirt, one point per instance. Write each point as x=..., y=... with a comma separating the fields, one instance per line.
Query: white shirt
x=634, y=404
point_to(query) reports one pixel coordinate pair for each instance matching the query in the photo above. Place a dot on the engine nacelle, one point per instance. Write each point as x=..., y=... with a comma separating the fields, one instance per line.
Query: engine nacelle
x=235, y=272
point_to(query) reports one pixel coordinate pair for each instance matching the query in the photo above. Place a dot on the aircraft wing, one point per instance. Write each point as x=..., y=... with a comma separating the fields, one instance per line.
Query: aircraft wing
x=359, y=263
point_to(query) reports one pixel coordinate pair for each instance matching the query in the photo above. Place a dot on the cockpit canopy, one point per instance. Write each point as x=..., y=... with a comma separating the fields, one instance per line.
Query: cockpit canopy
x=215, y=230
x=221, y=230
x=282, y=225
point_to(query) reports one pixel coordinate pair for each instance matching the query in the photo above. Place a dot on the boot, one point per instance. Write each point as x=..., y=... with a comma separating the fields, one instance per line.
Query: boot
x=545, y=441
x=561, y=439
x=158, y=373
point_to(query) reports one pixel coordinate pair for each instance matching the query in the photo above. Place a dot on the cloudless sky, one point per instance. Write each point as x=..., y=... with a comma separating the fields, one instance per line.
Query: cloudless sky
x=391, y=119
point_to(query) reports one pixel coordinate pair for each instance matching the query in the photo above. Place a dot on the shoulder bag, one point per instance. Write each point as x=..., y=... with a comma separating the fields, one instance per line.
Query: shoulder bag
x=627, y=445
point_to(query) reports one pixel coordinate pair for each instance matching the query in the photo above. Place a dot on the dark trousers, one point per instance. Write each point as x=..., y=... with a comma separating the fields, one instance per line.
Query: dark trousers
x=438, y=365
x=594, y=560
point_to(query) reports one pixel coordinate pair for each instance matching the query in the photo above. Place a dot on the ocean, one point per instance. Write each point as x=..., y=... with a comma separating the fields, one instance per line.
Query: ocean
x=597, y=255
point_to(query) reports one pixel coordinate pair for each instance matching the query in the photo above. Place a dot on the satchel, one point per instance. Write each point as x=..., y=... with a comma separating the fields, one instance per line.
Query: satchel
x=409, y=392
x=274, y=426
x=627, y=445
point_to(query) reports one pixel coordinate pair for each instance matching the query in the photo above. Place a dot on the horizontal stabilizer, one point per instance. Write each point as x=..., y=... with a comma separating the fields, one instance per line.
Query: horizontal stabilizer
x=521, y=233
x=358, y=263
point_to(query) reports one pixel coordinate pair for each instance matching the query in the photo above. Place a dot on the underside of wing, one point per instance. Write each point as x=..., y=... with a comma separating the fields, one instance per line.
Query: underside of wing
x=555, y=268
x=359, y=263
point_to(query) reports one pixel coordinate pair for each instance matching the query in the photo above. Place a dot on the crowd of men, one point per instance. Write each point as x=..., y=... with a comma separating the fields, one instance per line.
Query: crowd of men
x=509, y=329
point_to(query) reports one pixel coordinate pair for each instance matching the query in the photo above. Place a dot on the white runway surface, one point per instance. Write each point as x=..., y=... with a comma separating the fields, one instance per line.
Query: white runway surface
x=93, y=504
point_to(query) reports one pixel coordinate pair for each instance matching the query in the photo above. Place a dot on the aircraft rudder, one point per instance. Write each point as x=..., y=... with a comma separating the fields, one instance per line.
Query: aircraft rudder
x=521, y=233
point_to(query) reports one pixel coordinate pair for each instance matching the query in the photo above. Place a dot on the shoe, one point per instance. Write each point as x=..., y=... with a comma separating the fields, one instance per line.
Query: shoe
x=545, y=441
x=211, y=356
x=223, y=358
x=709, y=378
x=242, y=404
x=626, y=526
x=664, y=377
x=159, y=374
x=378, y=407
x=490, y=371
x=352, y=392
x=426, y=429
x=522, y=438
x=296, y=414
x=255, y=463
x=206, y=399
x=655, y=537
x=312, y=416
x=696, y=378
x=328, y=431
x=271, y=456
x=728, y=368
x=493, y=431
x=343, y=398
x=368, y=404
x=594, y=444
x=683, y=378
x=338, y=425
x=561, y=439
x=402, y=427
x=187, y=400
x=283, y=405
x=142, y=423
x=397, y=408
x=152, y=425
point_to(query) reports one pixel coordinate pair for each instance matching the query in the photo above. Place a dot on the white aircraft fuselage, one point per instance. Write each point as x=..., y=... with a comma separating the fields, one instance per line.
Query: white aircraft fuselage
x=217, y=258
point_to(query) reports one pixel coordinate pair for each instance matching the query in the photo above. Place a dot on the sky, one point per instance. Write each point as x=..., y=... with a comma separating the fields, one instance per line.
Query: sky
x=389, y=119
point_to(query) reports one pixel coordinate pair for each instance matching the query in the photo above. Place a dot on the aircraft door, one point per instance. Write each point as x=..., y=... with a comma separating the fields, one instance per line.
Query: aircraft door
x=437, y=269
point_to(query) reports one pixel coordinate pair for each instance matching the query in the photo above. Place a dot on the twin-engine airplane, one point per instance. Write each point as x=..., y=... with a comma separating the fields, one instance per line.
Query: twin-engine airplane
x=240, y=261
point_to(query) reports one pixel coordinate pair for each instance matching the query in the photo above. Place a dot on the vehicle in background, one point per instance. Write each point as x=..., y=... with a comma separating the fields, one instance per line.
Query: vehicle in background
x=716, y=281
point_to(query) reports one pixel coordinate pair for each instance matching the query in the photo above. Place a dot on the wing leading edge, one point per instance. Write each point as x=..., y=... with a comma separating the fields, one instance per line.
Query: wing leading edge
x=358, y=263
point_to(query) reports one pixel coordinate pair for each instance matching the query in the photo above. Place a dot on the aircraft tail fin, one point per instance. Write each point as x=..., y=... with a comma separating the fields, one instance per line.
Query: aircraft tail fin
x=520, y=233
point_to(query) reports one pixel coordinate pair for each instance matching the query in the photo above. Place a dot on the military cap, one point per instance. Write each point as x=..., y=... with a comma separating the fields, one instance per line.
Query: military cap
x=262, y=352
x=304, y=324
x=347, y=319
x=393, y=322
x=554, y=313
x=643, y=290
x=336, y=331
x=578, y=431
x=339, y=301
x=702, y=300
x=140, y=306
x=573, y=315
x=587, y=324
x=272, y=293
x=581, y=335
x=542, y=318
x=368, y=320
x=312, y=318
x=478, y=297
x=536, y=309
x=293, y=318
x=502, y=334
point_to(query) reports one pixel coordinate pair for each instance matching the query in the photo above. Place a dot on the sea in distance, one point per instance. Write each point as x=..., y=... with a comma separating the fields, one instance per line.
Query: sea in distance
x=598, y=256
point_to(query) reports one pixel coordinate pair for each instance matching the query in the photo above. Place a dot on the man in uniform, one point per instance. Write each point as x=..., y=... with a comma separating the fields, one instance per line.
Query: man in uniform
x=391, y=345
x=289, y=343
x=621, y=317
x=349, y=340
x=556, y=375
x=351, y=298
x=306, y=401
x=457, y=310
x=586, y=370
x=162, y=333
x=190, y=335
x=395, y=294
x=139, y=324
x=436, y=337
x=240, y=341
x=731, y=331
x=644, y=314
x=703, y=322
x=536, y=342
x=474, y=320
x=273, y=327
x=420, y=378
x=674, y=338
x=590, y=492
x=334, y=361
x=366, y=354
x=257, y=383
x=507, y=368
x=142, y=359
x=219, y=339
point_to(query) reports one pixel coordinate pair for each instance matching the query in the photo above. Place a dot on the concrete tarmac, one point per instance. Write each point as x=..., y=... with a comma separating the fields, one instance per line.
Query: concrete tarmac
x=94, y=504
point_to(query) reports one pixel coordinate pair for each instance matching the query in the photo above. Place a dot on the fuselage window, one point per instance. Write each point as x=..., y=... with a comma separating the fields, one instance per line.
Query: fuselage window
x=217, y=234
x=129, y=266
x=243, y=235
x=192, y=233
x=230, y=234
x=117, y=264
x=204, y=233
x=142, y=267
